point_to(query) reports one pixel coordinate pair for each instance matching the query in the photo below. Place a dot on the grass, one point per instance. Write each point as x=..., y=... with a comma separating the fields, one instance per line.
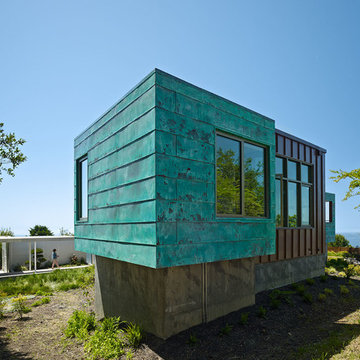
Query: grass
x=42, y=301
x=58, y=280
x=226, y=330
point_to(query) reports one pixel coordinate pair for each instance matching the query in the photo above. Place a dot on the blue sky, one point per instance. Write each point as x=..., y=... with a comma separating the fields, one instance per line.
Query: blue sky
x=63, y=63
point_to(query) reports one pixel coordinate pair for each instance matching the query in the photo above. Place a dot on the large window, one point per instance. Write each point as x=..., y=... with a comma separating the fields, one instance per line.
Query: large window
x=82, y=189
x=293, y=193
x=240, y=178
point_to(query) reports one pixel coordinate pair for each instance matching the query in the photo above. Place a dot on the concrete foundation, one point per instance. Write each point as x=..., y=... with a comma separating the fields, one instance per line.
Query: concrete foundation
x=167, y=301
x=280, y=273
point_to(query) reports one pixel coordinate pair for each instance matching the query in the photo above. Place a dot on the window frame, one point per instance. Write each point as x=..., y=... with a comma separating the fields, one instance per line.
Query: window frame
x=284, y=193
x=79, y=195
x=242, y=177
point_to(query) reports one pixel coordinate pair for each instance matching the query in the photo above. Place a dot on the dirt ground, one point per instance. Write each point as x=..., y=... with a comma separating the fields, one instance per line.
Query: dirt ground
x=285, y=332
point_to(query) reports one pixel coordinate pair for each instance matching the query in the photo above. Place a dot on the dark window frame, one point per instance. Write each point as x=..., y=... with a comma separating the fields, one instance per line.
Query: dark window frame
x=284, y=186
x=242, y=178
x=79, y=194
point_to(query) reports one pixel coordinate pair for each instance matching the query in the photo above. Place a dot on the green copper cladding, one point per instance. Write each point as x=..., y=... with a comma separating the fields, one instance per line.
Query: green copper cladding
x=152, y=182
x=330, y=225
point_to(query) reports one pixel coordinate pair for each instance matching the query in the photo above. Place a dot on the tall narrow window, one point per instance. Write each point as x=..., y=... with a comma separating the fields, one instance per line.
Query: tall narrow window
x=82, y=187
x=293, y=193
x=240, y=178
x=328, y=211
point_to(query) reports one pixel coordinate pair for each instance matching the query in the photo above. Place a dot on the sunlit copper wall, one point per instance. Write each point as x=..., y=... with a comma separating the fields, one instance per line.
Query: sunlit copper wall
x=298, y=242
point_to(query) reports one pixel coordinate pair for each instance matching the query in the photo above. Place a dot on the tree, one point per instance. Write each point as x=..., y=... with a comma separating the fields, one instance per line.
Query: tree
x=10, y=154
x=40, y=230
x=354, y=186
x=6, y=232
x=340, y=241
x=65, y=232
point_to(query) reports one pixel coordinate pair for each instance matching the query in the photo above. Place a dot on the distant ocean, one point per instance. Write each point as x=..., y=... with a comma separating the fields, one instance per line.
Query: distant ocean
x=353, y=237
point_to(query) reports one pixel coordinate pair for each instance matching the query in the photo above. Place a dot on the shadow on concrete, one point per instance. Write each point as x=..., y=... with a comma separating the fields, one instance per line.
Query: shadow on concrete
x=294, y=330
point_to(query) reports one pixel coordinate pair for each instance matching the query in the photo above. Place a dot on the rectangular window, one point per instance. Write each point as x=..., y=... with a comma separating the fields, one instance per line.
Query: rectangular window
x=82, y=189
x=240, y=178
x=328, y=211
x=293, y=193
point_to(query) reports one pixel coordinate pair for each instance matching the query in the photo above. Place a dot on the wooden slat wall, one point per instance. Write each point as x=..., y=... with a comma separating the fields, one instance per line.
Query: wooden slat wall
x=300, y=242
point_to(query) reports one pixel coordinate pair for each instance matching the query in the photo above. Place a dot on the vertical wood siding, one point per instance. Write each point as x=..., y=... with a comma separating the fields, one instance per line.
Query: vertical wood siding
x=299, y=242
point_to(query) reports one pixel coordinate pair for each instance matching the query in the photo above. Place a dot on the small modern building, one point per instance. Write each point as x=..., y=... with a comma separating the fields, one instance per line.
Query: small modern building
x=192, y=204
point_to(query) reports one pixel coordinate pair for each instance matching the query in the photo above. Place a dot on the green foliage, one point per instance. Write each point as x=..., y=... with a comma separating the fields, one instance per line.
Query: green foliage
x=244, y=318
x=261, y=312
x=226, y=329
x=350, y=271
x=133, y=334
x=47, y=283
x=300, y=289
x=330, y=270
x=19, y=305
x=107, y=341
x=10, y=155
x=310, y=282
x=44, y=300
x=339, y=264
x=354, y=177
x=344, y=290
x=80, y=324
x=328, y=291
x=193, y=340
x=307, y=297
x=322, y=297
x=65, y=232
x=2, y=305
x=40, y=230
x=6, y=232
x=340, y=241
x=323, y=278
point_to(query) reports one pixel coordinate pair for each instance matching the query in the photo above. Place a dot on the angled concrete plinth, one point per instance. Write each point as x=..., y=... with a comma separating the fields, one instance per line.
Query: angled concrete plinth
x=167, y=301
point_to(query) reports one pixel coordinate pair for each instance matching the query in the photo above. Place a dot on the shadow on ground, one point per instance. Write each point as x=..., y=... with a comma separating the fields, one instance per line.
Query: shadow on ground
x=295, y=330
x=5, y=352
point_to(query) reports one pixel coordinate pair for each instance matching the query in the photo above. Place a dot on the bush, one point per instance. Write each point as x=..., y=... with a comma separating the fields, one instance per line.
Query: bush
x=350, y=271
x=80, y=324
x=244, y=318
x=340, y=241
x=344, y=290
x=44, y=300
x=193, y=340
x=6, y=232
x=20, y=306
x=134, y=334
x=310, y=282
x=261, y=312
x=322, y=297
x=328, y=291
x=226, y=330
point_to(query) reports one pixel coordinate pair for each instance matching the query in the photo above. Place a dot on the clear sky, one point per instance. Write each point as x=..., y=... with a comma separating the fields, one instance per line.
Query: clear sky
x=63, y=63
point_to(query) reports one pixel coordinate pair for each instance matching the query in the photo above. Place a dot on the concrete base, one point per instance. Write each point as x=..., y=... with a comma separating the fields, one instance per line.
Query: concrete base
x=167, y=301
x=280, y=273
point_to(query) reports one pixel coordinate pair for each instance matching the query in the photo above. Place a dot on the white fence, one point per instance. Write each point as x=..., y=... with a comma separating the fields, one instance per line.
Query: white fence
x=17, y=250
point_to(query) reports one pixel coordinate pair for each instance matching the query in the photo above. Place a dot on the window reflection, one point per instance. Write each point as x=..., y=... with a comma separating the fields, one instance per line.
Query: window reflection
x=279, y=166
x=254, y=191
x=305, y=205
x=292, y=170
x=228, y=176
x=305, y=173
x=278, y=202
x=292, y=204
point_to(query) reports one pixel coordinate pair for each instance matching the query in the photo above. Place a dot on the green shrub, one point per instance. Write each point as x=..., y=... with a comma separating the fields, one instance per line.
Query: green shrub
x=133, y=334
x=40, y=230
x=344, y=290
x=244, y=318
x=328, y=291
x=226, y=330
x=310, y=282
x=307, y=297
x=300, y=289
x=321, y=297
x=330, y=270
x=19, y=305
x=44, y=300
x=107, y=341
x=341, y=274
x=80, y=324
x=323, y=278
x=2, y=305
x=349, y=271
x=193, y=340
x=357, y=270
x=261, y=312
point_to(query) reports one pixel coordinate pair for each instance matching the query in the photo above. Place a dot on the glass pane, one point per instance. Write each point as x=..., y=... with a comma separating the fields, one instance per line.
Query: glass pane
x=84, y=190
x=327, y=211
x=305, y=173
x=254, y=187
x=278, y=217
x=305, y=205
x=292, y=170
x=292, y=204
x=227, y=175
x=278, y=166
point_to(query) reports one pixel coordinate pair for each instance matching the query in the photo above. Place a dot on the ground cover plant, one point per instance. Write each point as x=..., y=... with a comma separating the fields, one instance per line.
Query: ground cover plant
x=57, y=280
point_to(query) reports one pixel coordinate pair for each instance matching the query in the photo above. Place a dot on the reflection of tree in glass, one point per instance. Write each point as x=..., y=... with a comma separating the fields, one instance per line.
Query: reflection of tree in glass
x=228, y=182
x=254, y=188
x=278, y=220
x=293, y=221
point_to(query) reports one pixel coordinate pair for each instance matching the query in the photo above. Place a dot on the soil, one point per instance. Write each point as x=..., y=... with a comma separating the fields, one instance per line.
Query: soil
x=294, y=325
